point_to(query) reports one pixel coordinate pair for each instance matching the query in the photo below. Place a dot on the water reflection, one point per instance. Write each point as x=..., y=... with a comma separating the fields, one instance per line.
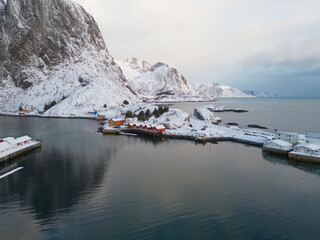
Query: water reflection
x=306, y=167
x=64, y=172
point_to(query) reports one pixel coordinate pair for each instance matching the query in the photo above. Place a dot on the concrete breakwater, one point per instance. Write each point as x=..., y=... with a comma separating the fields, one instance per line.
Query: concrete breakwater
x=182, y=136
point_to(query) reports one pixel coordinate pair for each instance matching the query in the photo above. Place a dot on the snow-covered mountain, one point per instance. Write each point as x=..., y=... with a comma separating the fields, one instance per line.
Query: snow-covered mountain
x=215, y=90
x=260, y=94
x=52, y=51
x=156, y=81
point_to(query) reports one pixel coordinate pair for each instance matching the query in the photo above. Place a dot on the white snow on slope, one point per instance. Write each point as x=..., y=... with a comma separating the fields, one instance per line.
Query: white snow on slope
x=86, y=86
x=220, y=91
x=260, y=94
x=156, y=81
x=203, y=113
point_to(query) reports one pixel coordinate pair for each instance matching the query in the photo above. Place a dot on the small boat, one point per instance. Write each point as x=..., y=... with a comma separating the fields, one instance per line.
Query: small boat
x=201, y=137
x=22, y=113
x=100, y=117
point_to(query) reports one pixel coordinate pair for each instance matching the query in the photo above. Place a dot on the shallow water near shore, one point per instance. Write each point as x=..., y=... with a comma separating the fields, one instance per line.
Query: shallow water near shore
x=85, y=185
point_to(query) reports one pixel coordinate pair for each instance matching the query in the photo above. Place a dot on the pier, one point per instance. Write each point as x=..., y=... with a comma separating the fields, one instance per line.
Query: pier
x=21, y=151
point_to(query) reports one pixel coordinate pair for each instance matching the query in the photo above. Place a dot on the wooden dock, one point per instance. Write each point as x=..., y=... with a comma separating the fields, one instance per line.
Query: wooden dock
x=20, y=152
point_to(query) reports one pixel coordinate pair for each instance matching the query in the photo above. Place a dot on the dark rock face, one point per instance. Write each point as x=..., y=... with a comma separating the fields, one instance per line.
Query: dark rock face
x=41, y=34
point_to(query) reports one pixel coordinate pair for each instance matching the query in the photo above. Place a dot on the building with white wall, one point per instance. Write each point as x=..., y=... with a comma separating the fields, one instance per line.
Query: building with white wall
x=312, y=149
x=313, y=137
x=277, y=146
x=291, y=137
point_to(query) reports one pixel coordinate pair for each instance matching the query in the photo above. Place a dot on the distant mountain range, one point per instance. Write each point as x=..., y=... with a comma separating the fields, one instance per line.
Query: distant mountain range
x=217, y=90
x=260, y=94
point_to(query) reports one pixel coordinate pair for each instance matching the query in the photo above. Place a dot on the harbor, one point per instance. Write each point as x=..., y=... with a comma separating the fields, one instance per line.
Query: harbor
x=304, y=148
x=122, y=126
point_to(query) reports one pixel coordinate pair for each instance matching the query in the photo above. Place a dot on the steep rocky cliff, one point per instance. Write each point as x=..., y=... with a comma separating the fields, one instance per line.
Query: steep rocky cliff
x=156, y=81
x=52, y=50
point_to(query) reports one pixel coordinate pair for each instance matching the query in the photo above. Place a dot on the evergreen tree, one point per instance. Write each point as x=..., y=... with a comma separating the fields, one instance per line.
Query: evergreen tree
x=129, y=114
x=141, y=115
x=147, y=114
x=160, y=110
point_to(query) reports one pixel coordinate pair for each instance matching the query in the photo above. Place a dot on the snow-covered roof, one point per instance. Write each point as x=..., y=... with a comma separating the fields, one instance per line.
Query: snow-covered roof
x=313, y=134
x=117, y=119
x=282, y=143
x=8, y=138
x=4, y=146
x=312, y=146
x=285, y=132
x=131, y=119
x=23, y=138
x=158, y=127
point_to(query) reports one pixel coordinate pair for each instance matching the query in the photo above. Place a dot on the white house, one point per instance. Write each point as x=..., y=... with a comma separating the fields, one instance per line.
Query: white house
x=278, y=145
x=291, y=137
x=312, y=149
x=313, y=137
x=131, y=120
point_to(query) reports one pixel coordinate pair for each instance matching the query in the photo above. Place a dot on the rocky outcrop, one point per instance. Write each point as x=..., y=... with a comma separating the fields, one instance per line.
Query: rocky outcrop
x=43, y=34
x=203, y=113
x=52, y=49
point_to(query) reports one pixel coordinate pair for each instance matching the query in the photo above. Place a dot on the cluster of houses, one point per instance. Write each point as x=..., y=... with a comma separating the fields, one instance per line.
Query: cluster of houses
x=147, y=127
x=132, y=123
x=289, y=143
x=9, y=144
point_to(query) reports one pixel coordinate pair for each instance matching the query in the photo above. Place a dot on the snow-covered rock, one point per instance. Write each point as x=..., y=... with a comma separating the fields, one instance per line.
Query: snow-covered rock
x=203, y=113
x=158, y=81
x=173, y=119
x=260, y=94
x=215, y=90
x=53, y=51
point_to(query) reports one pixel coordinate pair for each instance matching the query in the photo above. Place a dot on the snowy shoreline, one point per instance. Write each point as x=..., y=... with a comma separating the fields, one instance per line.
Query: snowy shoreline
x=45, y=116
x=179, y=124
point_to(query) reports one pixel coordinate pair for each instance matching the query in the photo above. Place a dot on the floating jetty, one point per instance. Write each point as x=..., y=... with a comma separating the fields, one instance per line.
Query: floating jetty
x=11, y=148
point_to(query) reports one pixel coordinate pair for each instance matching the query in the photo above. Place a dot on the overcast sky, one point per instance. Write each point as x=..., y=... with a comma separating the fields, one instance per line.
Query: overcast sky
x=249, y=44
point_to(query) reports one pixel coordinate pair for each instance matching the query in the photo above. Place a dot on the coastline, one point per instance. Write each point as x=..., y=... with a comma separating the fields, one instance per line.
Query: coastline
x=42, y=116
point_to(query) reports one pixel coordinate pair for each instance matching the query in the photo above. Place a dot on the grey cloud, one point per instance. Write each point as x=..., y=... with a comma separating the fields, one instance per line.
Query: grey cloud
x=242, y=43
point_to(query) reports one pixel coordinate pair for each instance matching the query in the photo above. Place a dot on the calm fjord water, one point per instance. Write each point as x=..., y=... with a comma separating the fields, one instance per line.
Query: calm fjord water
x=84, y=185
x=299, y=115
